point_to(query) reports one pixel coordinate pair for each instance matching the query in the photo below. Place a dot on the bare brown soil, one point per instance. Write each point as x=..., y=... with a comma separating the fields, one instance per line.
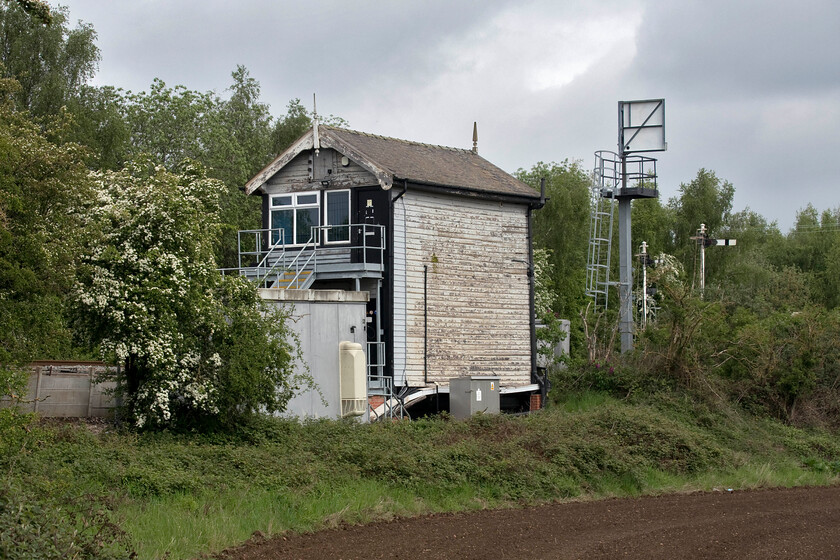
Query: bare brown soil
x=766, y=524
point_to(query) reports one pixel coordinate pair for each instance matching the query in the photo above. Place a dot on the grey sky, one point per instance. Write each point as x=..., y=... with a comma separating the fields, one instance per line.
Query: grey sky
x=752, y=88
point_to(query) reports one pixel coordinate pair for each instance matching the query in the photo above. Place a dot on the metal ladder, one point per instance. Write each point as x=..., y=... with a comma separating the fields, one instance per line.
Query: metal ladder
x=605, y=185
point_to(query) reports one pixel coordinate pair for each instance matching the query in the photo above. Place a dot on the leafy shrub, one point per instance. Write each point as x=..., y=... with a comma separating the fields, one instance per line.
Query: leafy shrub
x=13, y=422
x=32, y=528
x=784, y=359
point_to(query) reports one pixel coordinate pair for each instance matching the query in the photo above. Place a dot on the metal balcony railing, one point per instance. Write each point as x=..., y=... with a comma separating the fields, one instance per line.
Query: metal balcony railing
x=267, y=258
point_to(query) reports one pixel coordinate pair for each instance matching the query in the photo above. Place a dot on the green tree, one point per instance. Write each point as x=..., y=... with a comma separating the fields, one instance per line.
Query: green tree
x=171, y=124
x=782, y=358
x=652, y=223
x=238, y=148
x=813, y=248
x=51, y=62
x=294, y=123
x=196, y=348
x=744, y=273
x=38, y=9
x=42, y=186
x=290, y=126
x=99, y=115
x=561, y=228
x=705, y=200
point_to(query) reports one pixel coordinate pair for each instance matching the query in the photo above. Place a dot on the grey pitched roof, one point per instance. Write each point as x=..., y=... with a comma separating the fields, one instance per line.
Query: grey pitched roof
x=391, y=159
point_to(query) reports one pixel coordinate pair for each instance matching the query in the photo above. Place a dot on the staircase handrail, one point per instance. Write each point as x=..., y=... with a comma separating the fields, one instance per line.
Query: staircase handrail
x=295, y=265
x=278, y=258
x=263, y=255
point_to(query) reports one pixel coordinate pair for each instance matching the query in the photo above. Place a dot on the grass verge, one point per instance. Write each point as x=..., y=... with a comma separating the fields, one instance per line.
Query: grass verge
x=181, y=496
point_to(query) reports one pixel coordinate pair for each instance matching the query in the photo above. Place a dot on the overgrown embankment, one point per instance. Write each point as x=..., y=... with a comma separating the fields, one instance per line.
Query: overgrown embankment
x=184, y=495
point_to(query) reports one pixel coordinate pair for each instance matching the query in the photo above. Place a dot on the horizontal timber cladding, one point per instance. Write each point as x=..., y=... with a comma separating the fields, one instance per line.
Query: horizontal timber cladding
x=306, y=171
x=476, y=315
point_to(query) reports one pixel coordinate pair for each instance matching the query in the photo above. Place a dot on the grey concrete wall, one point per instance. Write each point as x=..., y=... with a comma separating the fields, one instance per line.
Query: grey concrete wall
x=67, y=390
x=322, y=319
x=562, y=348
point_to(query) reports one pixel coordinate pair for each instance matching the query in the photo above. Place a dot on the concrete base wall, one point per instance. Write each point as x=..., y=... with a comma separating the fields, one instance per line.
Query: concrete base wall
x=67, y=390
x=562, y=348
x=322, y=319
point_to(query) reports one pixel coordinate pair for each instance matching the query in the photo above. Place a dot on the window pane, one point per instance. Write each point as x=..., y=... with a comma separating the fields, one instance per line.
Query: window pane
x=281, y=200
x=338, y=214
x=307, y=199
x=339, y=234
x=281, y=220
x=306, y=218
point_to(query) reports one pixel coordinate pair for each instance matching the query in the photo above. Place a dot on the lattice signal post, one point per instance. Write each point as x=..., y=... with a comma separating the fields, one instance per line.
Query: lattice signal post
x=641, y=128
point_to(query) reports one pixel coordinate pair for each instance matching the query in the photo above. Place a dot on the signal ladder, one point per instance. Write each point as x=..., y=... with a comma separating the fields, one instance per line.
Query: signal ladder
x=605, y=185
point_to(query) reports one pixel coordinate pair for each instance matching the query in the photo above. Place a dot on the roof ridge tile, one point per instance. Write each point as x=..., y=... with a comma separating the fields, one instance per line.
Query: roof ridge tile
x=393, y=139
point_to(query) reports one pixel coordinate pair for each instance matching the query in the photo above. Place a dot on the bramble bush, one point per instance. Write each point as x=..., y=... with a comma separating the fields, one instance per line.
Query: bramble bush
x=770, y=360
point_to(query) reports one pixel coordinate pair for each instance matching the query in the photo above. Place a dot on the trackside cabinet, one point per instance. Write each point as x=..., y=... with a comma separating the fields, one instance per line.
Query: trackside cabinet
x=477, y=393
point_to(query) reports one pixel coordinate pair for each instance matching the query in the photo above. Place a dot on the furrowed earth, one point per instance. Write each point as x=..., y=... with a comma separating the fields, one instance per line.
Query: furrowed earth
x=760, y=524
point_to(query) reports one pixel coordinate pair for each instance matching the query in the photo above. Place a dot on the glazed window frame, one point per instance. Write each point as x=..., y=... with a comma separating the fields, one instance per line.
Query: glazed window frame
x=337, y=215
x=295, y=214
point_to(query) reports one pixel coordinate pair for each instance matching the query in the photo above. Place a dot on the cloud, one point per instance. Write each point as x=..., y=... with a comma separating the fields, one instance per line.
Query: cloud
x=751, y=86
x=717, y=48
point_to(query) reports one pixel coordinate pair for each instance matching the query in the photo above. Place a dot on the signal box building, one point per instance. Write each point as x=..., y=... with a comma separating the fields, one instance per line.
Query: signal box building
x=439, y=238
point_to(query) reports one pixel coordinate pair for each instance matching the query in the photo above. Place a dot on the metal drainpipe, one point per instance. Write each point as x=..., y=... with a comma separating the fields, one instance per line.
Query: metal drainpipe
x=425, y=324
x=392, y=278
x=531, y=300
x=532, y=310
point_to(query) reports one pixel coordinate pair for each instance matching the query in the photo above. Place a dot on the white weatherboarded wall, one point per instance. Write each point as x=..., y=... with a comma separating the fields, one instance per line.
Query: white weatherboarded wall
x=477, y=308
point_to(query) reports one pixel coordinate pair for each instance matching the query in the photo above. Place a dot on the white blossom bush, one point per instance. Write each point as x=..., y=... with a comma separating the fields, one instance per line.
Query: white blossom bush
x=544, y=298
x=545, y=301
x=148, y=293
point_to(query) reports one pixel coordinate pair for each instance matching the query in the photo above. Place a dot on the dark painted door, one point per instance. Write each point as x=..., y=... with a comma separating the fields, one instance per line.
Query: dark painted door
x=371, y=209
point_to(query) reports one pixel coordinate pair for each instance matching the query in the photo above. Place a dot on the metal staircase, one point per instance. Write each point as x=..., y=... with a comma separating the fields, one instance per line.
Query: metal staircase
x=266, y=260
x=272, y=265
x=605, y=186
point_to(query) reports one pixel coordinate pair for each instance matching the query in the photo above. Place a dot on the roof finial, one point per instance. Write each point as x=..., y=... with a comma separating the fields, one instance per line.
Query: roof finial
x=316, y=140
x=475, y=137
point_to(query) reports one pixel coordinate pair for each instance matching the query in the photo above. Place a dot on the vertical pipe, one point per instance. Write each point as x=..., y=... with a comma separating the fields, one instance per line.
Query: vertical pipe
x=37, y=388
x=625, y=251
x=425, y=324
x=644, y=284
x=90, y=391
x=378, y=323
x=390, y=247
x=625, y=256
x=532, y=308
x=702, y=237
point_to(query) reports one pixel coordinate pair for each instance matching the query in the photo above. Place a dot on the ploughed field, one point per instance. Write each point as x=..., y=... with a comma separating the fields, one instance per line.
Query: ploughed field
x=762, y=524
